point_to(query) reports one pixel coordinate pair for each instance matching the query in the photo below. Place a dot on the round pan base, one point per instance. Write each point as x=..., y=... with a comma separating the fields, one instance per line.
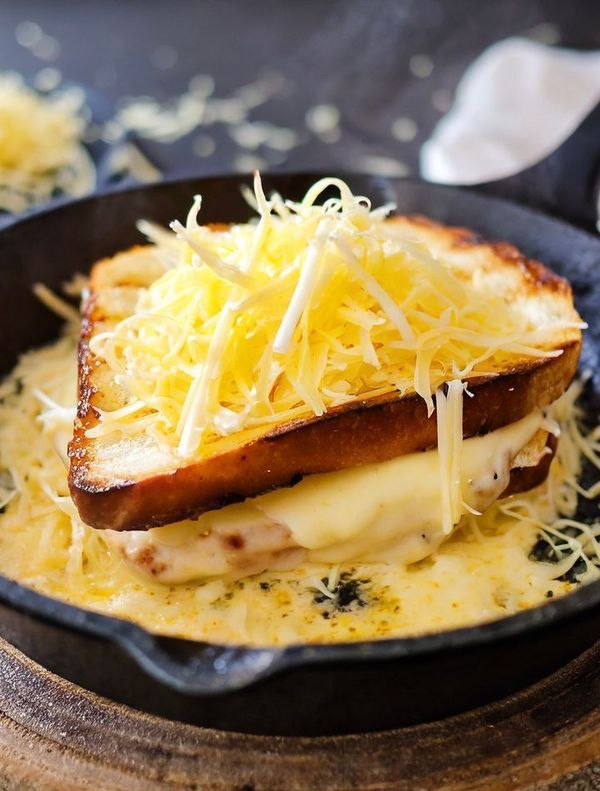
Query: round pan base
x=309, y=690
x=54, y=734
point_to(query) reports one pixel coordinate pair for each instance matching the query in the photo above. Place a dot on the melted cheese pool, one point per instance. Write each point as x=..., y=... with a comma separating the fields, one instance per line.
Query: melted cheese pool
x=481, y=573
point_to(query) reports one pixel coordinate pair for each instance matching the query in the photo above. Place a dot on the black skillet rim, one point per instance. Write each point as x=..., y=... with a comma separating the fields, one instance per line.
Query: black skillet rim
x=226, y=668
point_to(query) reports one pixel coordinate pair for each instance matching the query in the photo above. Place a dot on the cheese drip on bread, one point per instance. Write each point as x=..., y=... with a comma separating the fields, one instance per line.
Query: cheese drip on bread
x=388, y=512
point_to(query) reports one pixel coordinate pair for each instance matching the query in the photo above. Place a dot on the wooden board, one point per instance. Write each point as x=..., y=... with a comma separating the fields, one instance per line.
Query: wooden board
x=54, y=735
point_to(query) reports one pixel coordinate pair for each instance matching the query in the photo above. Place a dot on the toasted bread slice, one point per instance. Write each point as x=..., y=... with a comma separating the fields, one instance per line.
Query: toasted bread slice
x=126, y=482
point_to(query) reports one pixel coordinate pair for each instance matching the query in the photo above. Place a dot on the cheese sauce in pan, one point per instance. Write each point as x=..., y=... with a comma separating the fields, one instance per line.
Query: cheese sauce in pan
x=484, y=571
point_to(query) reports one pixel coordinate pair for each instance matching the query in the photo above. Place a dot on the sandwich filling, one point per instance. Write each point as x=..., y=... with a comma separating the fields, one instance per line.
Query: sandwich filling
x=388, y=512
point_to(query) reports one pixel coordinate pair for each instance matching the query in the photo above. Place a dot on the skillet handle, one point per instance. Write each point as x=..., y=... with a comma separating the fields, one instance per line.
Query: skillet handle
x=566, y=183
x=200, y=668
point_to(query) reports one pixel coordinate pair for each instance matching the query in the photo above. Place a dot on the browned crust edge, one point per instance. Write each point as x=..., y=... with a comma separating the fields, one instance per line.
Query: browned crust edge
x=356, y=434
x=522, y=479
x=536, y=274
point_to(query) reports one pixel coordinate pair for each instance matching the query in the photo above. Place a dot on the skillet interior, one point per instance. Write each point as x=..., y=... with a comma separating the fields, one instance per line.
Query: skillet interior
x=338, y=688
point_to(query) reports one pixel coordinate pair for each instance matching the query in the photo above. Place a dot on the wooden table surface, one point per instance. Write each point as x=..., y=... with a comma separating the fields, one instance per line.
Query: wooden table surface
x=54, y=735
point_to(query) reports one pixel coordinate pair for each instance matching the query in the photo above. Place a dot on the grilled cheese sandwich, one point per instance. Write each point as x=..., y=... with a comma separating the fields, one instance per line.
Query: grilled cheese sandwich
x=328, y=349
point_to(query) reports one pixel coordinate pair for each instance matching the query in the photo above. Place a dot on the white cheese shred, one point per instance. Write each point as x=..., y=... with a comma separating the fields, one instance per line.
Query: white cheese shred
x=305, y=287
x=449, y=417
x=57, y=305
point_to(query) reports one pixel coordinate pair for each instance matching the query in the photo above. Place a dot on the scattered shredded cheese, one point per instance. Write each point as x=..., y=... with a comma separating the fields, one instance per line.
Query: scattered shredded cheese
x=126, y=159
x=56, y=304
x=41, y=153
x=197, y=107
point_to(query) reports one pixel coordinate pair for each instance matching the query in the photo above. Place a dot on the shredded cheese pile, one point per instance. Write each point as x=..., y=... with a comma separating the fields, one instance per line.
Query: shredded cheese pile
x=40, y=145
x=310, y=308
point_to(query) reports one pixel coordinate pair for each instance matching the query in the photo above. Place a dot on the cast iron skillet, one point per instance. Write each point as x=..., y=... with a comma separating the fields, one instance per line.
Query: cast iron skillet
x=306, y=689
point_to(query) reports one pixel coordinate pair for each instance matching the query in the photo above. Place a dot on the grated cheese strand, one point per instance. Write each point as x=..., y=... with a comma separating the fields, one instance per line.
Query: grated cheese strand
x=392, y=310
x=56, y=304
x=195, y=412
x=449, y=415
x=206, y=256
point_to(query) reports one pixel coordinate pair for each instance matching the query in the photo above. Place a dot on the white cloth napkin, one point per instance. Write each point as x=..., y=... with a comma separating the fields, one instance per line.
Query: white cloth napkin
x=514, y=105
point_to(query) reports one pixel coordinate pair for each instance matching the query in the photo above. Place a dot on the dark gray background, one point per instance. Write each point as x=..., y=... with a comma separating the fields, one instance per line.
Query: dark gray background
x=354, y=54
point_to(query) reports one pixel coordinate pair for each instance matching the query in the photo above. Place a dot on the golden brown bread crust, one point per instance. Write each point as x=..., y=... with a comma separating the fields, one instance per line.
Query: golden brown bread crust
x=522, y=479
x=358, y=433
x=537, y=276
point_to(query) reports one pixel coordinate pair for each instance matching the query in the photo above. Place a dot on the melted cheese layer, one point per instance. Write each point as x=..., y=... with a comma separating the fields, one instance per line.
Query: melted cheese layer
x=386, y=512
x=343, y=515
